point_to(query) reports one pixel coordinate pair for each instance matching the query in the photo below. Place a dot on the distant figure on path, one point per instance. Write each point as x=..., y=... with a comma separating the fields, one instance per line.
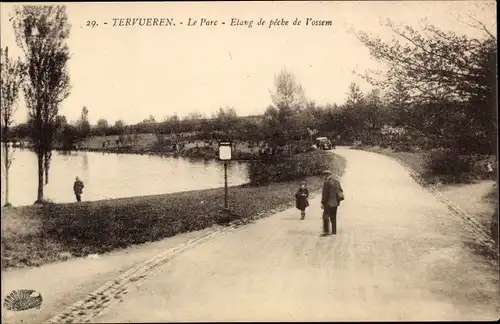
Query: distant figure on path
x=332, y=195
x=78, y=189
x=301, y=199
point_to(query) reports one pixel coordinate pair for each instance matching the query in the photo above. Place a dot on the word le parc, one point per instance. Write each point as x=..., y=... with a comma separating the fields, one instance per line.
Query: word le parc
x=237, y=22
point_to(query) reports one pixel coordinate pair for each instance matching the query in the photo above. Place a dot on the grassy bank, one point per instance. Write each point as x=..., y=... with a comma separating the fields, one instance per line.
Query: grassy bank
x=35, y=235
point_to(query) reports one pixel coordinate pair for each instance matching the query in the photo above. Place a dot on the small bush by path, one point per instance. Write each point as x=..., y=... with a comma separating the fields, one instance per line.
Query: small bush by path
x=295, y=167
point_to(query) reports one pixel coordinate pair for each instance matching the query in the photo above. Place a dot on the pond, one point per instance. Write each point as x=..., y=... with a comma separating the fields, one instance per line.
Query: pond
x=109, y=175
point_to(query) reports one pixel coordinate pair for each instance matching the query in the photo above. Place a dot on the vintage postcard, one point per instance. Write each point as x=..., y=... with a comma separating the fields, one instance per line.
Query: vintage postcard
x=249, y=161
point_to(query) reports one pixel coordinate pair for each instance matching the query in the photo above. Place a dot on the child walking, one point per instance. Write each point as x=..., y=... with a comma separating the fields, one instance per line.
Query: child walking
x=301, y=199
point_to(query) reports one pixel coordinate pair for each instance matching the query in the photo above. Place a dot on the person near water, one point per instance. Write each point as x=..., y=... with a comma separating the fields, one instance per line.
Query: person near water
x=301, y=199
x=331, y=197
x=78, y=189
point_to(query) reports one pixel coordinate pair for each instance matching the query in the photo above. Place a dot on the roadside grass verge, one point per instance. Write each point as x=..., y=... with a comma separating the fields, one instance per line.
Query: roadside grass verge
x=36, y=235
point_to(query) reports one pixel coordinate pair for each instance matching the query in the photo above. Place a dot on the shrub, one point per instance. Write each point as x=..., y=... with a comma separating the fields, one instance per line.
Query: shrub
x=200, y=152
x=162, y=144
x=402, y=147
x=448, y=166
x=291, y=168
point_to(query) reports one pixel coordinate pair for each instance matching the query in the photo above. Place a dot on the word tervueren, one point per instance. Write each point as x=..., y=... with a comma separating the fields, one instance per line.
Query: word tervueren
x=123, y=22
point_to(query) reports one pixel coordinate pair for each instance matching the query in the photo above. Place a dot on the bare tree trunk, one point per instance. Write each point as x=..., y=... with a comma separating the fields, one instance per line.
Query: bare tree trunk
x=7, y=166
x=46, y=165
x=40, y=177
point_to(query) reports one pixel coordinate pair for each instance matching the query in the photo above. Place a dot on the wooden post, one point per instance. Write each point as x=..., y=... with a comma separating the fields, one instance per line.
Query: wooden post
x=225, y=184
x=225, y=150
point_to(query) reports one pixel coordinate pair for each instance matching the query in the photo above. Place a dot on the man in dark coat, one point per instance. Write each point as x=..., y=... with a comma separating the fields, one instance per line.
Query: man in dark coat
x=332, y=195
x=78, y=189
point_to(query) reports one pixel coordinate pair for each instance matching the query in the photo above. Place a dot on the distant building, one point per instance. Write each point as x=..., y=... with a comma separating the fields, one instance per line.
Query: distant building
x=390, y=130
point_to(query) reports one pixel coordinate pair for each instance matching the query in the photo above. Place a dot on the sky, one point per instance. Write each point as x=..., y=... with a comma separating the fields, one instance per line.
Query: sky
x=130, y=72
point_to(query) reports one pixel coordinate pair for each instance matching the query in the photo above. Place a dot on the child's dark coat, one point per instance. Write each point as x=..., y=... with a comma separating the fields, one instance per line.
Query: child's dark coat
x=301, y=199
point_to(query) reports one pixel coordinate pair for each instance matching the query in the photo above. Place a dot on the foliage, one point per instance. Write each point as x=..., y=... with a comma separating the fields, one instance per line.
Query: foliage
x=119, y=126
x=354, y=96
x=438, y=73
x=195, y=115
x=149, y=120
x=12, y=75
x=69, y=136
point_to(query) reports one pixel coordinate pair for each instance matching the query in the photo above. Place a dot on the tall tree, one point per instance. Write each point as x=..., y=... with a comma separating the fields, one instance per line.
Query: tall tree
x=83, y=124
x=226, y=120
x=150, y=120
x=351, y=116
x=119, y=127
x=354, y=95
x=289, y=94
x=288, y=101
x=374, y=115
x=41, y=32
x=398, y=99
x=12, y=73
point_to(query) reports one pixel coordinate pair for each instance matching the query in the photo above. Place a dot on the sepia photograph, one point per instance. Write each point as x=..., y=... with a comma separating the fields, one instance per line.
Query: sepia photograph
x=250, y=161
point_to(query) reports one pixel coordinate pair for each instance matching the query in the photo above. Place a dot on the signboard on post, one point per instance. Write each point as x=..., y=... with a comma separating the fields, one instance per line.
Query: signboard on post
x=225, y=150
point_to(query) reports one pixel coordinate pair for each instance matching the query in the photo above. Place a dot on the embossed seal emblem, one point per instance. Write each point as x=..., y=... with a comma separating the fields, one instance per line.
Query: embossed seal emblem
x=23, y=299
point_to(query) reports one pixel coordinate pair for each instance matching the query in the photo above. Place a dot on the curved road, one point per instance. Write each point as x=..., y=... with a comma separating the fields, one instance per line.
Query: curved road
x=399, y=254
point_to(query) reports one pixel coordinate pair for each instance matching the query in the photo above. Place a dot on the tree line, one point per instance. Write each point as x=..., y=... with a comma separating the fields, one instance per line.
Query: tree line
x=280, y=121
